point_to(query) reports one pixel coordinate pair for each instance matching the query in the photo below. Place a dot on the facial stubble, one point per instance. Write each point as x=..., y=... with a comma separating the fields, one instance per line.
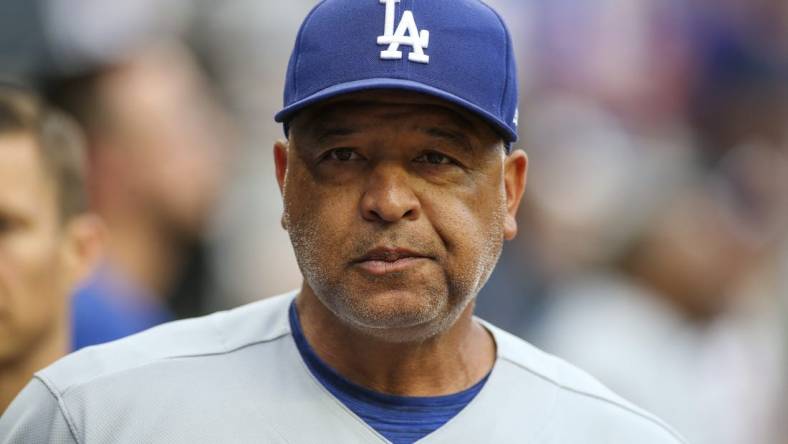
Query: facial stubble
x=444, y=299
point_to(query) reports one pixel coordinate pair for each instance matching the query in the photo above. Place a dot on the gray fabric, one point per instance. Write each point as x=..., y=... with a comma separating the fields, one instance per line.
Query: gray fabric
x=35, y=417
x=237, y=377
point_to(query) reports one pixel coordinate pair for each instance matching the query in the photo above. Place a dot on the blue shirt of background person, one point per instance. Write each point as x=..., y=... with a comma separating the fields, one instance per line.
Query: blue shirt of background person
x=109, y=307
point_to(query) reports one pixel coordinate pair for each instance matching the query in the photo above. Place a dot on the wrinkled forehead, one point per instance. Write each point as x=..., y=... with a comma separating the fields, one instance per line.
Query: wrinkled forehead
x=369, y=109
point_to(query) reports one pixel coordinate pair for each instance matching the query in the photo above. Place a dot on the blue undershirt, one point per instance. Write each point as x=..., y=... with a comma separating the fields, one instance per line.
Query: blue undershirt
x=400, y=419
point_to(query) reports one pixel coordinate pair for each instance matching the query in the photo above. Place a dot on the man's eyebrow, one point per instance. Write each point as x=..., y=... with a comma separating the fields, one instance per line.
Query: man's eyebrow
x=321, y=133
x=456, y=137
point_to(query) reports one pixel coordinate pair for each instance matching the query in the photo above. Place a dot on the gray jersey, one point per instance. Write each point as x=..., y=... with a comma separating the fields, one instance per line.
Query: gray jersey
x=237, y=377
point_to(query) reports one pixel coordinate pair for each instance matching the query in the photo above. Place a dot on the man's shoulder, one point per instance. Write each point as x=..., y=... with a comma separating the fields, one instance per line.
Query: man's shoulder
x=217, y=334
x=578, y=400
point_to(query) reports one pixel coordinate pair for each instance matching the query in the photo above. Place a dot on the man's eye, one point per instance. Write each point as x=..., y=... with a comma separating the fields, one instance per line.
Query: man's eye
x=342, y=155
x=434, y=159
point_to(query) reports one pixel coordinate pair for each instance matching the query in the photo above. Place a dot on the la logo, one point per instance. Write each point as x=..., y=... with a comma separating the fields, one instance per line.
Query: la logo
x=407, y=33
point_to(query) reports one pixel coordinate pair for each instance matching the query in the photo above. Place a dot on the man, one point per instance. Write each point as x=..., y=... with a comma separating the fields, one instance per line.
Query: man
x=47, y=239
x=157, y=150
x=399, y=188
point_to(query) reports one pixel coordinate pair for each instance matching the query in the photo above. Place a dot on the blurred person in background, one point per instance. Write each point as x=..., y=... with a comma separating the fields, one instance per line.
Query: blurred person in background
x=48, y=240
x=686, y=325
x=249, y=42
x=604, y=119
x=158, y=145
x=655, y=212
x=156, y=139
x=583, y=217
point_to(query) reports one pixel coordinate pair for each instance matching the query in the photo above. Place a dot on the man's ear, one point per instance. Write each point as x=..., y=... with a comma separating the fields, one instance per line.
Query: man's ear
x=83, y=246
x=280, y=160
x=515, y=176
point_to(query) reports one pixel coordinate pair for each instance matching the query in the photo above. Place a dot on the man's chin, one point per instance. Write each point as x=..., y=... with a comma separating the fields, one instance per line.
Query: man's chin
x=382, y=309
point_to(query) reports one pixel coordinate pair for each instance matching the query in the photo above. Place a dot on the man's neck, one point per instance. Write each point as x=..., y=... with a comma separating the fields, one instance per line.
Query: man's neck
x=146, y=255
x=15, y=374
x=445, y=364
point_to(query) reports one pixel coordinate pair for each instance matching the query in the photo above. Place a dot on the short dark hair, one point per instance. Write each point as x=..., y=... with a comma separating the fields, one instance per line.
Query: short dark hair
x=59, y=140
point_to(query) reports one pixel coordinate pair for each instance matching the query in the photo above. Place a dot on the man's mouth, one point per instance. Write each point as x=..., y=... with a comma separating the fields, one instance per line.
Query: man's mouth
x=382, y=260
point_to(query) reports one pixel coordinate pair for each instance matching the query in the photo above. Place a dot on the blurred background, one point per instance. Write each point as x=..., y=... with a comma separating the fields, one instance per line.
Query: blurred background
x=653, y=249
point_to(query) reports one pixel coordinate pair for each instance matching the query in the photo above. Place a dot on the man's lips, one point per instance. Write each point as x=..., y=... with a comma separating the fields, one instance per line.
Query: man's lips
x=381, y=261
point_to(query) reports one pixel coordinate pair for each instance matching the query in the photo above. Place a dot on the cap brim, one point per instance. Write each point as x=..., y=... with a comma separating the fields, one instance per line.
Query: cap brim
x=288, y=112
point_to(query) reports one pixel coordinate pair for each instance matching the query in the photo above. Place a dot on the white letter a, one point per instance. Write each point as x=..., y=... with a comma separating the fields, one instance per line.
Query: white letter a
x=408, y=34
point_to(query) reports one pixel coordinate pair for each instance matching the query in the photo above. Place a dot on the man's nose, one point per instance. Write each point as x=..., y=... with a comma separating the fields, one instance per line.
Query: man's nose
x=388, y=196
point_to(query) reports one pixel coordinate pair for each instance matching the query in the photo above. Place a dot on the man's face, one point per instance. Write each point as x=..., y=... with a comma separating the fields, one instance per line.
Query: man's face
x=33, y=284
x=172, y=138
x=397, y=206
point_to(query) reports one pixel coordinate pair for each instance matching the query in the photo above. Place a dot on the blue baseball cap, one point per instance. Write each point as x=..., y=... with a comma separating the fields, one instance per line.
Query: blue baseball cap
x=459, y=51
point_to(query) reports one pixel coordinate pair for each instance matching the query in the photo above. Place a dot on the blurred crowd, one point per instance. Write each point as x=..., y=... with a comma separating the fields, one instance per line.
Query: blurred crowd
x=654, y=244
